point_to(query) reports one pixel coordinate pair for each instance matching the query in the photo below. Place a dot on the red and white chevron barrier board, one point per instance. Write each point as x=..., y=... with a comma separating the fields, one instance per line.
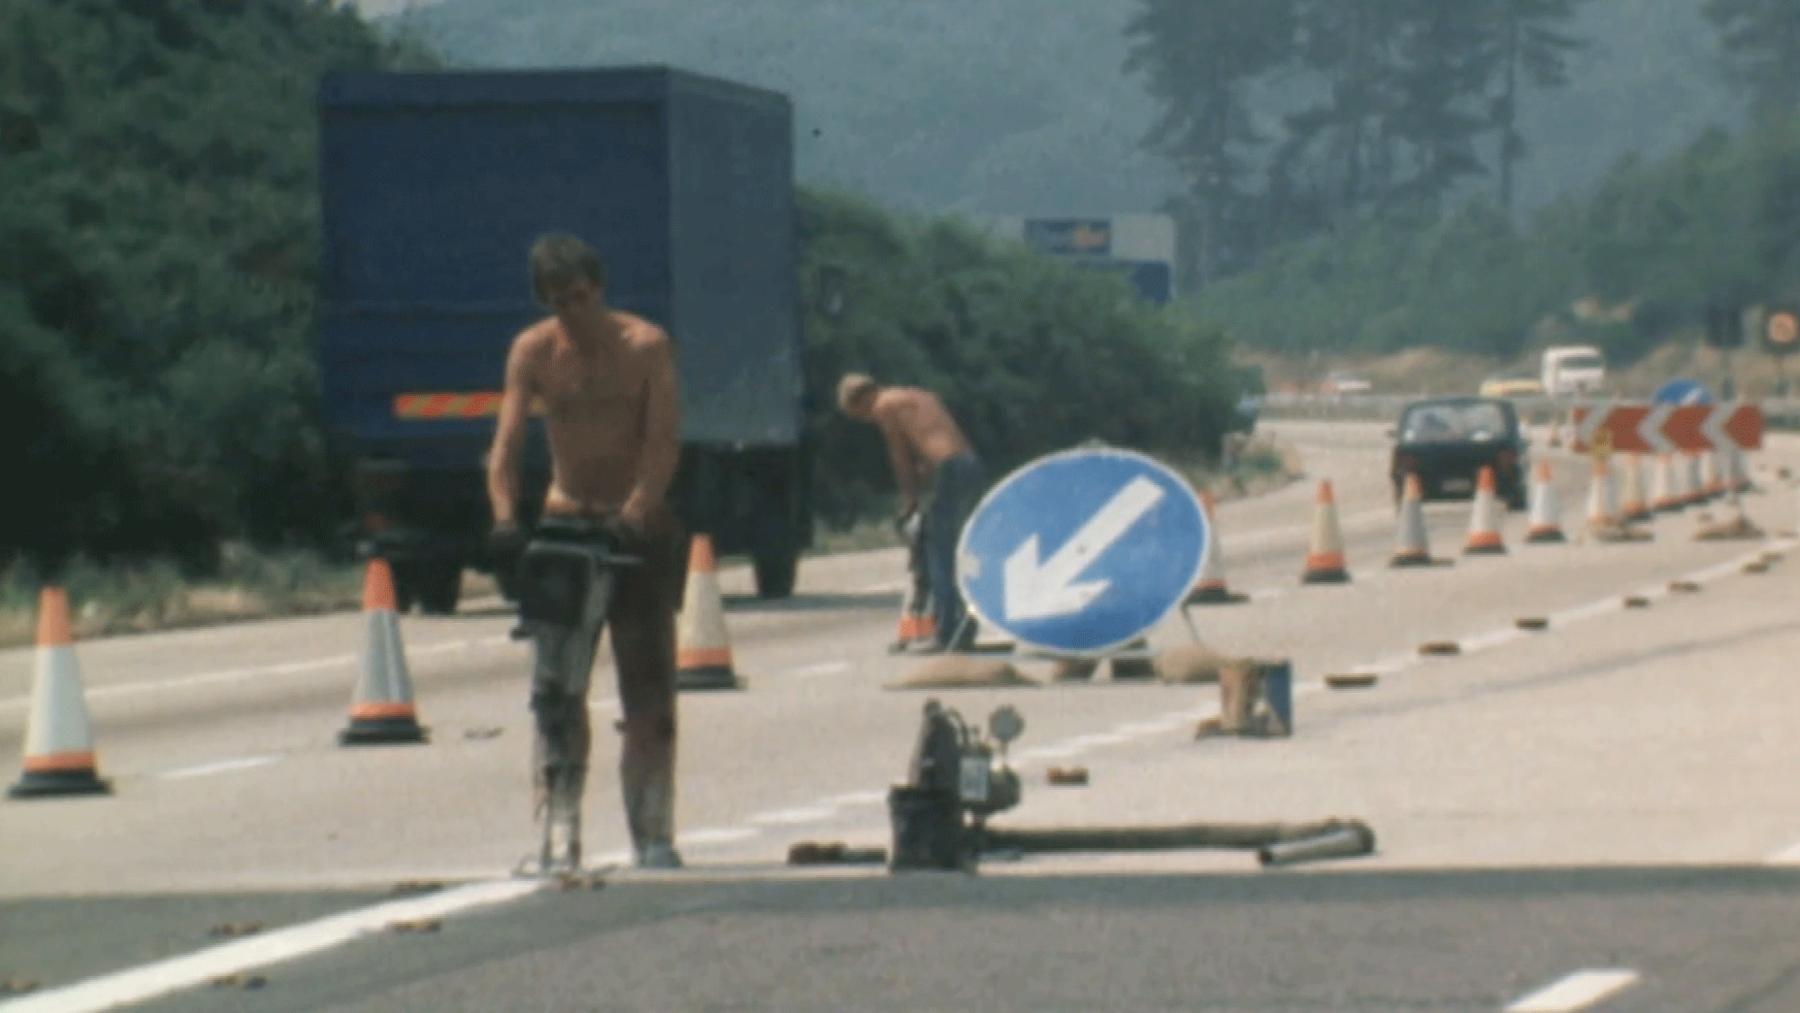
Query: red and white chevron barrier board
x=1663, y=428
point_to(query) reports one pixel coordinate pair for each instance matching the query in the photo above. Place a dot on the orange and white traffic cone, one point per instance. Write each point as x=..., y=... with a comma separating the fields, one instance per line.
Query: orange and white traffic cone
x=916, y=625
x=1411, y=547
x=1325, y=556
x=1602, y=505
x=1210, y=588
x=702, y=647
x=1695, y=493
x=1738, y=470
x=1664, y=496
x=59, y=741
x=1546, y=510
x=1484, y=519
x=382, y=711
x=1635, y=508
x=1713, y=482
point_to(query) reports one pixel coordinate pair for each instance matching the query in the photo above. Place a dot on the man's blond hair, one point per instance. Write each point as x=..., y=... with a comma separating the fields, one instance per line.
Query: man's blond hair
x=851, y=387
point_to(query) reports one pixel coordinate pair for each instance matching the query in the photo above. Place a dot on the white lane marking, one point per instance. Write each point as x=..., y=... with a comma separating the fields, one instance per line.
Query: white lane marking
x=787, y=817
x=1791, y=856
x=1138, y=729
x=851, y=798
x=222, y=766
x=822, y=668
x=1579, y=990
x=1491, y=639
x=1267, y=593
x=1037, y=753
x=885, y=587
x=231, y=674
x=1093, y=739
x=717, y=835
x=148, y=981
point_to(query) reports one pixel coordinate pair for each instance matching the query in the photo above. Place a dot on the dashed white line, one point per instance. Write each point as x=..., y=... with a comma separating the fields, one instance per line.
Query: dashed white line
x=220, y=767
x=787, y=817
x=851, y=798
x=718, y=835
x=151, y=980
x=1578, y=991
x=822, y=668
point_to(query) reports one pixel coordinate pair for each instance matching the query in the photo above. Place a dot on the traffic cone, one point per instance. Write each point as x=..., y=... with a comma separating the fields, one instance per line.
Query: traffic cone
x=59, y=741
x=1602, y=508
x=915, y=628
x=1325, y=557
x=1484, y=519
x=1738, y=470
x=1712, y=482
x=1664, y=496
x=1634, y=508
x=382, y=712
x=702, y=648
x=1209, y=588
x=1411, y=548
x=1695, y=493
x=1546, y=511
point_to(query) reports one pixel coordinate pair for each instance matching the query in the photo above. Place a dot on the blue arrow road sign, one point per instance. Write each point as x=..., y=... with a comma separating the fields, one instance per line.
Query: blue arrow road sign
x=1082, y=551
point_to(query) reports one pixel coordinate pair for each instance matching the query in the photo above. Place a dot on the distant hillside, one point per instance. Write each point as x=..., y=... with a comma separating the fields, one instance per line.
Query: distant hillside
x=1020, y=106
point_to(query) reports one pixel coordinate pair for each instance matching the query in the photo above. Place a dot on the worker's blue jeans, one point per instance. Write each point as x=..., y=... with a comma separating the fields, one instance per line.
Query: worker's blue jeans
x=955, y=489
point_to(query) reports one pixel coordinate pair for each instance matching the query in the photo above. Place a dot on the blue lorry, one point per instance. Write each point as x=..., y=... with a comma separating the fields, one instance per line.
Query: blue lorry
x=433, y=186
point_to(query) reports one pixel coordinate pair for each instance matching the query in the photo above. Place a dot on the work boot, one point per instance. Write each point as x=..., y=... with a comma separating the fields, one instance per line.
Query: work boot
x=658, y=855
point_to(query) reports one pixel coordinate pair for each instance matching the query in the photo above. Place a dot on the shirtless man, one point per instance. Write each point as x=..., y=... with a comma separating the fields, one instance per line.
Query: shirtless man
x=607, y=384
x=934, y=467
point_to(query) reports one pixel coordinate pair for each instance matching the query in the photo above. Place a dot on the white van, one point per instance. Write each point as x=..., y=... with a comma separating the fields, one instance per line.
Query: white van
x=1573, y=369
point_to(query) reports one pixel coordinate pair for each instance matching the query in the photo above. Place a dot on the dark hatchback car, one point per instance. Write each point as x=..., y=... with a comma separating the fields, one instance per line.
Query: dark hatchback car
x=1447, y=440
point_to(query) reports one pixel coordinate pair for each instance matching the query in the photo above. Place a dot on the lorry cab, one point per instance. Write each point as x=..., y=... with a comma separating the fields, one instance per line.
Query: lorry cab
x=1573, y=369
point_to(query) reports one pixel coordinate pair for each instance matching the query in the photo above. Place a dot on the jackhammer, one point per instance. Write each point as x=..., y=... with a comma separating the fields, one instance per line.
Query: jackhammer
x=566, y=578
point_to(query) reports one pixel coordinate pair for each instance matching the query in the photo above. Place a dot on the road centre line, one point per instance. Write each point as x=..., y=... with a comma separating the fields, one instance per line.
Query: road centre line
x=1577, y=991
x=717, y=835
x=822, y=668
x=138, y=984
x=791, y=817
x=283, y=668
x=219, y=767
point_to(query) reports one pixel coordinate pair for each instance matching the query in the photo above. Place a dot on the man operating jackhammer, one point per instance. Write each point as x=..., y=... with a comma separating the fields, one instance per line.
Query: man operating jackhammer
x=608, y=551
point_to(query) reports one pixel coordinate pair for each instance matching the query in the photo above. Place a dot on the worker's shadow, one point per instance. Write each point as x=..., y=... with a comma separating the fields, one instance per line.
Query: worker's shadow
x=813, y=602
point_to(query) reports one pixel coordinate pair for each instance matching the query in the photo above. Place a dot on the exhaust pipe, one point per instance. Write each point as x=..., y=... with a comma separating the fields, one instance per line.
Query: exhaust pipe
x=1345, y=841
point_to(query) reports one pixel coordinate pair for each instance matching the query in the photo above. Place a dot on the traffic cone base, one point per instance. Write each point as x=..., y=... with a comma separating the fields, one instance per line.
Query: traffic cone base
x=1484, y=521
x=1325, y=557
x=382, y=711
x=702, y=646
x=1210, y=588
x=1411, y=547
x=1546, y=511
x=59, y=743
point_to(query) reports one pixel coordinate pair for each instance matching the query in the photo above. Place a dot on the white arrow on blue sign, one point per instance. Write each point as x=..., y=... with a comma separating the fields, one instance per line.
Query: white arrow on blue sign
x=1082, y=551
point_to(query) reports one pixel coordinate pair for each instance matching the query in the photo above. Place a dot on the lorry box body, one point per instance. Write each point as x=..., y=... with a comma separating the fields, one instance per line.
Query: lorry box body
x=433, y=188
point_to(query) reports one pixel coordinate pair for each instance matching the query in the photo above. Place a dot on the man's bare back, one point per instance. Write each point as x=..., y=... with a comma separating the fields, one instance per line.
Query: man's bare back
x=921, y=420
x=611, y=415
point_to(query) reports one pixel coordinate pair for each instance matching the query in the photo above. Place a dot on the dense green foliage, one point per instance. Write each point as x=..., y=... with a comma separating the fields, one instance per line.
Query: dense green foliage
x=158, y=256
x=158, y=245
x=1030, y=354
x=1656, y=241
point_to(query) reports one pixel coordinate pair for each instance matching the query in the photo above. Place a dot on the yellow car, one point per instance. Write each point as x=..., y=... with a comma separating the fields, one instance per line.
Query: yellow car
x=1511, y=385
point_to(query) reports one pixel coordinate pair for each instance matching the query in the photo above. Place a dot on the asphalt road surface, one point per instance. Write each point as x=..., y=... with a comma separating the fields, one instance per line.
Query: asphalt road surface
x=1601, y=815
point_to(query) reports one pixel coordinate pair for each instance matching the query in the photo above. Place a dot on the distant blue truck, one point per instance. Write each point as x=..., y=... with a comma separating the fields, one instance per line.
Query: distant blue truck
x=433, y=187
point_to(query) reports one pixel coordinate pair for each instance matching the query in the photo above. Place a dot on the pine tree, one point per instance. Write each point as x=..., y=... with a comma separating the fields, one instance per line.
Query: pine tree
x=1762, y=47
x=1201, y=58
x=1534, y=46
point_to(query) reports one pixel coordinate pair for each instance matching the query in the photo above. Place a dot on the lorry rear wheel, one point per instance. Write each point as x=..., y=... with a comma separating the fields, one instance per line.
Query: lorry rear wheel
x=435, y=584
x=775, y=572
